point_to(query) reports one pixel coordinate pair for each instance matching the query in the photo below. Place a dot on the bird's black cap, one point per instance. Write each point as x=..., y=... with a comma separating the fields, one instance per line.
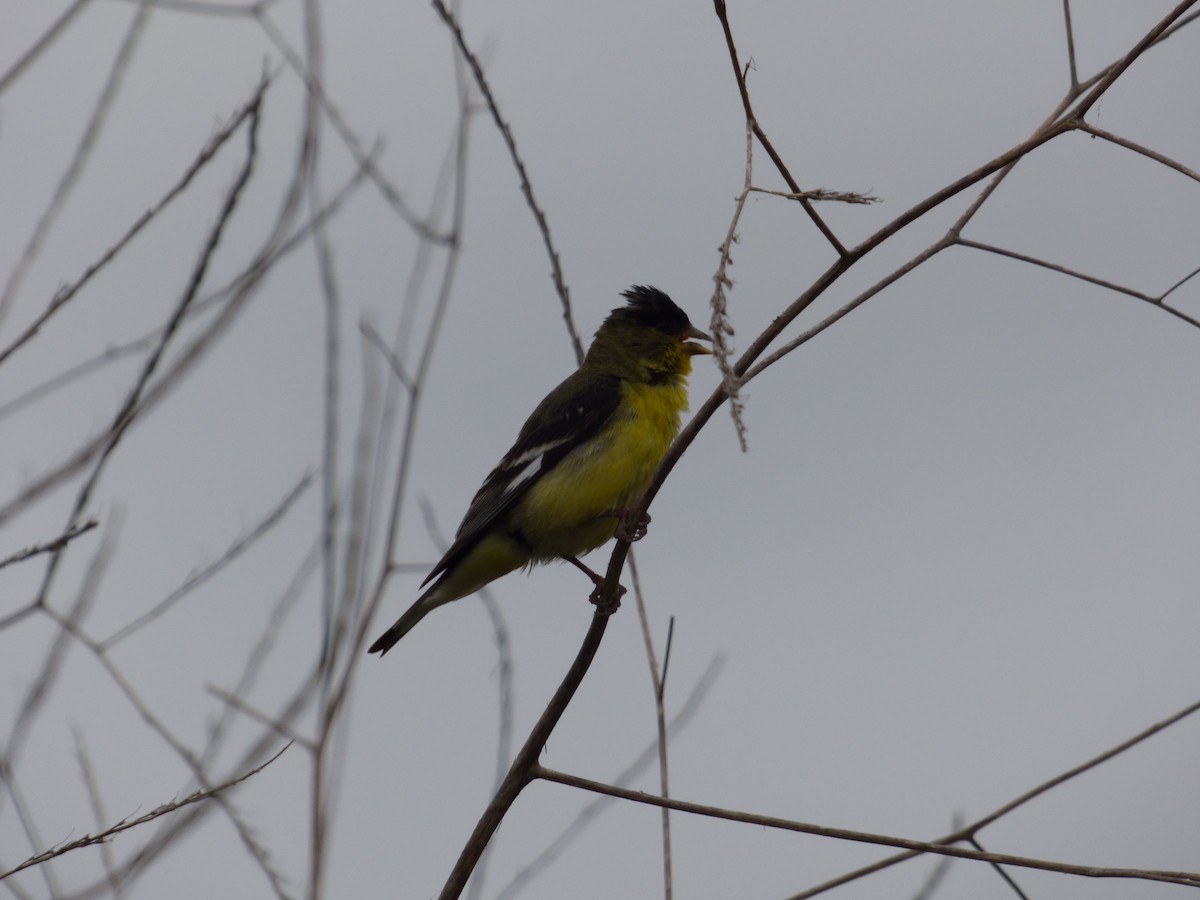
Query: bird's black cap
x=652, y=308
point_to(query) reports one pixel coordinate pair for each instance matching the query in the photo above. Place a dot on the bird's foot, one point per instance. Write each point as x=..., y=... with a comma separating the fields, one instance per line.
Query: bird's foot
x=606, y=606
x=632, y=525
x=596, y=598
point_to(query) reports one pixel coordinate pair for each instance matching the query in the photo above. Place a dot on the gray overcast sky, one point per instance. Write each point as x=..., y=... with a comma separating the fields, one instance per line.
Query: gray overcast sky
x=958, y=559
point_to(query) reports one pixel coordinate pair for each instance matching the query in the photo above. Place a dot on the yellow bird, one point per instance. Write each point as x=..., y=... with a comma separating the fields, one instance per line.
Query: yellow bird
x=581, y=460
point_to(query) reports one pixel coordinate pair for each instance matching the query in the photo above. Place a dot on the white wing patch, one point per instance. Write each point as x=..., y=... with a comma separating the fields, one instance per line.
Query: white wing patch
x=530, y=466
x=533, y=454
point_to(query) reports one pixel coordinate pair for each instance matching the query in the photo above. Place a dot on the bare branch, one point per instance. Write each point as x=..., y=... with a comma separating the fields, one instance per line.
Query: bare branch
x=83, y=152
x=1004, y=161
x=97, y=802
x=937, y=874
x=51, y=546
x=283, y=729
x=1176, y=286
x=1002, y=872
x=41, y=685
x=128, y=411
x=1156, y=302
x=373, y=338
x=821, y=194
x=720, y=326
x=215, y=8
x=591, y=810
x=1190, y=879
x=1074, y=87
x=144, y=342
x=126, y=824
x=525, y=764
x=969, y=831
x=365, y=160
x=196, y=579
x=658, y=682
x=752, y=122
x=41, y=44
x=1117, y=69
x=206, y=155
x=1138, y=148
x=560, y=284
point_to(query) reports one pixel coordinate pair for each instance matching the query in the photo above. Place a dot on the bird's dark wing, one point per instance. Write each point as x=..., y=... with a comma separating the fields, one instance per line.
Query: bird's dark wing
x=570, y=415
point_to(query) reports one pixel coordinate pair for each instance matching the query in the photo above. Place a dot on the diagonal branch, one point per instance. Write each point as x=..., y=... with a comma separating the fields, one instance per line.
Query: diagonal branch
x=1156, y=302
x=823, y=281
x=526, y=762
x=107, y=834
x=556, y=274
x=1190, y=879
x=752, y=121
x=50, y=546
x=83, y=153
x=969, y=831
x=206, y=155
x=1095, y=131
x=1117, y=69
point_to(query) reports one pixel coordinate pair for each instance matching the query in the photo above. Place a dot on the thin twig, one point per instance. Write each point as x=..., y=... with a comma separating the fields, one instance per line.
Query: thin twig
x=374, y=339
x=657, y=682
x=92, y=785
x=1070, y=46
x=214, y=8
x=752, y=122
x=256, y=660
x=38, y=693
x=41, y=685
x=1002, y=872
x=144, y=342
x=1176, y=286
x=235, y=550
x=720, y=325
x=51, y=546
x=57, y=27
x=284, y=730
x=364, y=159
x=127, y=413
x=1156, y=302
x=822, y=195
x=83, y=152
x=67, y=293
x=936, y=876
x=1179, y=167
x=1191, y=879
x=126, y=824
x=1117, y=69
x=823, y=281
x=192, y=760
x=560, y=284
x=969, y=831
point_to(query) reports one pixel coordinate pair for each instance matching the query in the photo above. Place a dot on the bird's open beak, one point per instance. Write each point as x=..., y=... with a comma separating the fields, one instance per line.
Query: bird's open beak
x=695, y=349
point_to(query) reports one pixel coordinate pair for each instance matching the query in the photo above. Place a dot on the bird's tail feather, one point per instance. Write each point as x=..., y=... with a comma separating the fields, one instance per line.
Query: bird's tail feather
x=414, y=614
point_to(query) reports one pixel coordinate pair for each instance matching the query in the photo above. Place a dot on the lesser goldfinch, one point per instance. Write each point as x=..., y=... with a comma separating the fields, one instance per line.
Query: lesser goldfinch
x=585, y=455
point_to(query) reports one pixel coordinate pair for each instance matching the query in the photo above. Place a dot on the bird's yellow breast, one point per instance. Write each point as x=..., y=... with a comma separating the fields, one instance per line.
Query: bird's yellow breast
x=564, y=513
